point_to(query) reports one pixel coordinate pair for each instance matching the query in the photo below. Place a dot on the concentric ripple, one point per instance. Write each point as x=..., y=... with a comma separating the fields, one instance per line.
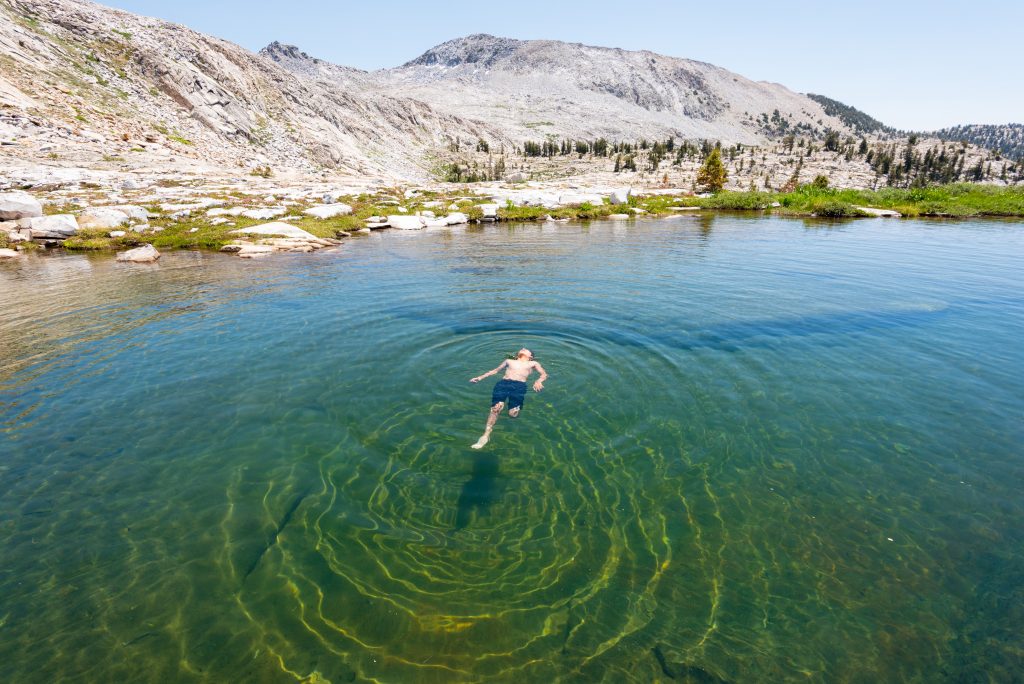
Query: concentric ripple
x=768, y=450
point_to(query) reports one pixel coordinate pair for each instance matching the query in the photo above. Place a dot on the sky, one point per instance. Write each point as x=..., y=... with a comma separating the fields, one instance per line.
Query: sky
x=912, y=64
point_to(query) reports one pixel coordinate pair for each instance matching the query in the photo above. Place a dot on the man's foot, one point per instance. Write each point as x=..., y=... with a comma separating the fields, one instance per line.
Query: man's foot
x=481, y=442
x=512, y=413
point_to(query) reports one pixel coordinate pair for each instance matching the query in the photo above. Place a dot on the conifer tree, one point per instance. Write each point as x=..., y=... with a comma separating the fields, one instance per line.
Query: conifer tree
x=712, y=175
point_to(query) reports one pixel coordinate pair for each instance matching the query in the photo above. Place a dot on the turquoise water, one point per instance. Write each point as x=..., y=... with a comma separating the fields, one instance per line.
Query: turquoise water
x=769, y=450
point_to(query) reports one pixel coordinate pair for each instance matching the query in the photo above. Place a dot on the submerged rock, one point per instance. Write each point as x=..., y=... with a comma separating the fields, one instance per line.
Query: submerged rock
x=16, y=205
x=144, y=254
x=9, y=253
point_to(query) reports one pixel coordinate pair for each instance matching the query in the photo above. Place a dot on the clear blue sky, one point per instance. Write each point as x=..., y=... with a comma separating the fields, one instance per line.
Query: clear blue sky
x=913, y=64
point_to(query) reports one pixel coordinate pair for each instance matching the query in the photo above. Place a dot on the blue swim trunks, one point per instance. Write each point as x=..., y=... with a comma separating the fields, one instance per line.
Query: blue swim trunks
x=512, y=392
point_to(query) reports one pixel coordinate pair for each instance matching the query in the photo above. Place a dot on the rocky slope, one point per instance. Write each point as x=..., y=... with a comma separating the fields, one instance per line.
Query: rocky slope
x=1008, y=139
x=83, y=83
x=536, y=88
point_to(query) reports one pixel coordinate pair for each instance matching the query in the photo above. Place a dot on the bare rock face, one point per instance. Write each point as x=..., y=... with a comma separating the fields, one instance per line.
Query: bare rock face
x=144, y=254
x=18, y=205
x=9, y=253
x=166, y=91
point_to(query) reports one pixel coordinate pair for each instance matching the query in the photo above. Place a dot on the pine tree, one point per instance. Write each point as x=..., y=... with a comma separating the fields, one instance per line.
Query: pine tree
x=712, y=175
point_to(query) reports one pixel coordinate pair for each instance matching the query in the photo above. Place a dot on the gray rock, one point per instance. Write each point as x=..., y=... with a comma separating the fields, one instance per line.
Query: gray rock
x=16, y=205
x=517, y=177
x=620, y=196
x=456, y=218
x=57, y=227
x=141, y=255
x=102, y=217
x=490, y=210
x=9, y=253
x=117, y=233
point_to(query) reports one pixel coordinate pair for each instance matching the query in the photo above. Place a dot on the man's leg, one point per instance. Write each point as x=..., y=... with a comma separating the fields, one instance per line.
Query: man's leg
x=515, y=403
x=491, y=420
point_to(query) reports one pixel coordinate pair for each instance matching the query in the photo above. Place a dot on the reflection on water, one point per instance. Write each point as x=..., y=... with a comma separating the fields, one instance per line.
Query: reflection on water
x=768, y=451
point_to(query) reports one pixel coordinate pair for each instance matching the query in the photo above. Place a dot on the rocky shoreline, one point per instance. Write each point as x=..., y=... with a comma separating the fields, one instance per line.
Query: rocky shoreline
x=137, y=216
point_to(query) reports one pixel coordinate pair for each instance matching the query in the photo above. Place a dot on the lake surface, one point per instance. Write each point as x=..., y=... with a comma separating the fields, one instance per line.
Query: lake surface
x=769, y=450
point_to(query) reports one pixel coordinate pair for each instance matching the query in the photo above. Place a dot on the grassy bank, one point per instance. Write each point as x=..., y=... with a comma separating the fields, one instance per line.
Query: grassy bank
x=958, y=200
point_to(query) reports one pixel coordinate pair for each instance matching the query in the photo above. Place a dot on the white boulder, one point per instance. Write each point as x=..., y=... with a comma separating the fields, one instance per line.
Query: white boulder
x=134, y=212
x=326, y=211
x=880, y=213
x=253, y=251
x=490, y=210
x=141, y=255
x=102, y=217
x=620, y=196
x=9, y=253
x=402, y=222
x=57, y=227
x=456, y=218
x=16, y=205
x=117, y=233
x=276, y=228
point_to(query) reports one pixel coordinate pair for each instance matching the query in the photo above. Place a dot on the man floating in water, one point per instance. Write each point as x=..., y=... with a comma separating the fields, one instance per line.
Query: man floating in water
x=511, y=389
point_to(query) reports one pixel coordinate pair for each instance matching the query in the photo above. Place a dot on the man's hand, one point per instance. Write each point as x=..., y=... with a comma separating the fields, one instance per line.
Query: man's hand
x=538, y=386
x=476, y=379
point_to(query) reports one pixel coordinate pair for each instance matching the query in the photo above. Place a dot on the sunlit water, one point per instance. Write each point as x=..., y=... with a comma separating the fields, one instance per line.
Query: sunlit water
x=769, y=450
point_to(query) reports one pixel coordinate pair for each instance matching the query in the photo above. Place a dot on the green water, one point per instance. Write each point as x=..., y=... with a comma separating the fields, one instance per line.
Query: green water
x=769, y=450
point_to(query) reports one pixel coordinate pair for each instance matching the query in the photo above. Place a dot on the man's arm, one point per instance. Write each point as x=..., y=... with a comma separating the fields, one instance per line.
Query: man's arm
x=539, y=385
x=490, y=372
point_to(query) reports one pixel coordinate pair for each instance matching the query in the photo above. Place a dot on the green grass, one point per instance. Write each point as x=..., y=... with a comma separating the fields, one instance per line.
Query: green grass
x=957, y=200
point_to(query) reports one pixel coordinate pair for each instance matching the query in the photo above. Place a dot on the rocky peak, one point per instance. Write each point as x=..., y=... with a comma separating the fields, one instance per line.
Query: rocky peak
x=279, y=51
x=479, y=49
